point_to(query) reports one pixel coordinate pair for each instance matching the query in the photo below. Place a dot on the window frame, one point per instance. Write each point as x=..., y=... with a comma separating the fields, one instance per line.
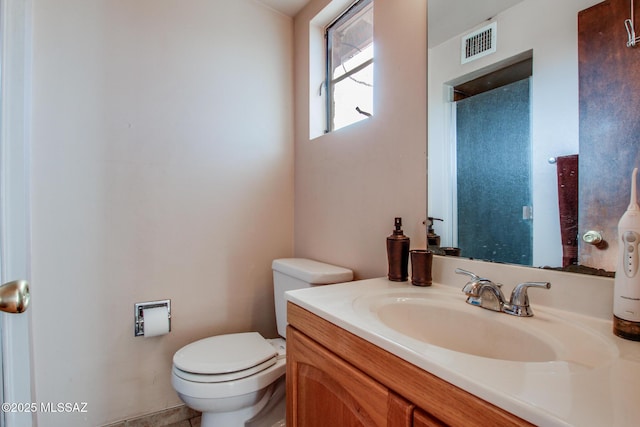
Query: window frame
x=330, y=83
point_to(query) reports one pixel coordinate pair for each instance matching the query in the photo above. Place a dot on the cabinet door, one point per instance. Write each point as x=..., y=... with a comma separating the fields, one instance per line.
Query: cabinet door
x=323, y=390
x=423, y=419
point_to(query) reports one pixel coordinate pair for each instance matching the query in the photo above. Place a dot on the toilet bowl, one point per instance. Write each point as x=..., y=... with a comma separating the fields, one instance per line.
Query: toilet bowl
x=238, y=379
x=228, y=377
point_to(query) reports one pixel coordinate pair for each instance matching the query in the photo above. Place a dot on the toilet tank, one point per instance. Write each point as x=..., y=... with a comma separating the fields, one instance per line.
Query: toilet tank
x=299, y=273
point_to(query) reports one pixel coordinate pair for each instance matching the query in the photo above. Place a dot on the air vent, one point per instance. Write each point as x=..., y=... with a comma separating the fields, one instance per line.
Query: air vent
x=479, y=43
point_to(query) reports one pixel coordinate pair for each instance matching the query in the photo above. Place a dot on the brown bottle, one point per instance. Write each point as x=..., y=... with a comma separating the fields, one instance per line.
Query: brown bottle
x=433, y=240
x=398, y=254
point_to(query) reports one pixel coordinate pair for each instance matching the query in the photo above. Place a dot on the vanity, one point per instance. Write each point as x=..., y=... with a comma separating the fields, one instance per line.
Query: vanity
x=337, y=378
x=376, y=353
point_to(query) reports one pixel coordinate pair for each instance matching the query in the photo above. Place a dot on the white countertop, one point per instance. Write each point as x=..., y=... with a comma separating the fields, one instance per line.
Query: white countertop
x=552, y=393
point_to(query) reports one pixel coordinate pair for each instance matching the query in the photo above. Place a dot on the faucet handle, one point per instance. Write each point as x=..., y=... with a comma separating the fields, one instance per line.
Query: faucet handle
x=474, y=277
x=519, y=302
x=472, y=287
x=468, y=273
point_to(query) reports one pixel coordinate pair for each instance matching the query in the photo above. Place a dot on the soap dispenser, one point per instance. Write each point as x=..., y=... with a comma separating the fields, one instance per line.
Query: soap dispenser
x=626, y=290
x=398, y=254
x=433, y=240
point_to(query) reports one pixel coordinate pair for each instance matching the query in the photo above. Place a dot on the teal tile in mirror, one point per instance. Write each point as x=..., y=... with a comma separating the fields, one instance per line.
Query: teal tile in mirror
x=493, y=175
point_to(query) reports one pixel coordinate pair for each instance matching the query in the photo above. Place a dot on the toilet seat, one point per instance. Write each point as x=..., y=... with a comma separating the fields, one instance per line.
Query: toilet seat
x=226, y=389
x=218, y=378
x=224, y=358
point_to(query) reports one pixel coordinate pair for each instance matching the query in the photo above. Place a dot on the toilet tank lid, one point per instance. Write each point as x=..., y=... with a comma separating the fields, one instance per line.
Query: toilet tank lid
x=311, y=271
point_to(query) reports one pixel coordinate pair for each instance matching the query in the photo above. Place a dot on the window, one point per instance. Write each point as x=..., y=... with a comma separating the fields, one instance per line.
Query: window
x=349, y=79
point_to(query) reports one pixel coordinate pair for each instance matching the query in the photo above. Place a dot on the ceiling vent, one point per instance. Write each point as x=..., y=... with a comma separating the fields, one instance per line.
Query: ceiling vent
x=479, y=43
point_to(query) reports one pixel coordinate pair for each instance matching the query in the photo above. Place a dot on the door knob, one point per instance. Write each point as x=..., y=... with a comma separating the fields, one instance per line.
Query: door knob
x=15, y=296
x=592, y=237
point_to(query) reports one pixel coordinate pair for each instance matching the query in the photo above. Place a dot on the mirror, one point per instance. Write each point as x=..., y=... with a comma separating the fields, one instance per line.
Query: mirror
x=545, y=31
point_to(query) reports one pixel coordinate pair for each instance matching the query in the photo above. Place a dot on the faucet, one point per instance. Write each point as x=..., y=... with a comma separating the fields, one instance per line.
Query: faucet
x=484, y=293
x=519, y=302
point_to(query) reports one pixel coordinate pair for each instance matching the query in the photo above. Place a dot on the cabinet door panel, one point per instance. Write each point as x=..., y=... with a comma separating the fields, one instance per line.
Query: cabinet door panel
x=326, y=391
x=422, y=419
x=400, y=412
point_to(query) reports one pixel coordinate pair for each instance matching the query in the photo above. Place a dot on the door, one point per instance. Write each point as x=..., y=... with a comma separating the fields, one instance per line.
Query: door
x=609, y=126
x=14, y=201
x=493, y=159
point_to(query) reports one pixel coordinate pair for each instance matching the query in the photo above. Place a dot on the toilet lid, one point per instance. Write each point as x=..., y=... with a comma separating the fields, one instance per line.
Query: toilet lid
x=220, y=378
x=223, y=354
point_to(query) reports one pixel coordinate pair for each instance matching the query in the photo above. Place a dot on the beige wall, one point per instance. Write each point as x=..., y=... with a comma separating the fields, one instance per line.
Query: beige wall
x=350, y=184
x=162, y=161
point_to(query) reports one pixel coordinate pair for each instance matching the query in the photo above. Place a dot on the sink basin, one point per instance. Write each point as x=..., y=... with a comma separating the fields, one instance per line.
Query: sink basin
x=465, y=332
x=449, y=323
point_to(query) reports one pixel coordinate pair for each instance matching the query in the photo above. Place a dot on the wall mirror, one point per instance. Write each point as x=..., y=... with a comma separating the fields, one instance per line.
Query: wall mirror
x=526, y=163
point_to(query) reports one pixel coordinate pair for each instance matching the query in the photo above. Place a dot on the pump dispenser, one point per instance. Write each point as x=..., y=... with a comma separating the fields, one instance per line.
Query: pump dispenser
x=398, y=254
x=626, y=292
x=433, y=240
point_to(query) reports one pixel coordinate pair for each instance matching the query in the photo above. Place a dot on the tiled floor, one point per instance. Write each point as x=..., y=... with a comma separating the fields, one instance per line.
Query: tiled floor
x=180, y=416
x=193, y=422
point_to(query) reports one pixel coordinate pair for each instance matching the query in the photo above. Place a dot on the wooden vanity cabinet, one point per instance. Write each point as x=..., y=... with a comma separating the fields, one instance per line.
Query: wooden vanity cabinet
x=331, y=392
x=335, y=378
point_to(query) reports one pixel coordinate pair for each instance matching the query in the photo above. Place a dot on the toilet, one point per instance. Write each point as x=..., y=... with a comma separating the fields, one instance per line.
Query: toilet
x=238, y=379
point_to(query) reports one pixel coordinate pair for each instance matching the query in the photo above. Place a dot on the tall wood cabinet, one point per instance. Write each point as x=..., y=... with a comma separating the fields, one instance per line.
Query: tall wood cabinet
x=335, y=378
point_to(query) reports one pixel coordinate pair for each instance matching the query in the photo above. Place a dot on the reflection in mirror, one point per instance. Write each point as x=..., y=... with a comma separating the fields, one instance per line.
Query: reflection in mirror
x=545, y=108
x=493, y=180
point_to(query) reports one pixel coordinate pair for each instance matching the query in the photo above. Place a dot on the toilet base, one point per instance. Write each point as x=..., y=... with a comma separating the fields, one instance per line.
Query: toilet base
x=268, y=410
x=274, y=413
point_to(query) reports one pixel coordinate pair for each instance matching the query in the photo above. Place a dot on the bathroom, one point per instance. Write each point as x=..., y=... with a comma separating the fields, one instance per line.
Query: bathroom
x=171, y=156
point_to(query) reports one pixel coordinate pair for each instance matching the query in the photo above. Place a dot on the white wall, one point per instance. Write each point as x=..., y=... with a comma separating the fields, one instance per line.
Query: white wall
x=351, y=183
x=549, y=28
x=162, y=168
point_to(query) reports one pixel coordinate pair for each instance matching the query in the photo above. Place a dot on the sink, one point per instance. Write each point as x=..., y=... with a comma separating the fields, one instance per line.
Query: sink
x=446, y=322
x=465, y=332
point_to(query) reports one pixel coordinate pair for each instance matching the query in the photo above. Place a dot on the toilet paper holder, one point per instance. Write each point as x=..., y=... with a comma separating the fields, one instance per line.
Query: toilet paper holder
x=139, y=314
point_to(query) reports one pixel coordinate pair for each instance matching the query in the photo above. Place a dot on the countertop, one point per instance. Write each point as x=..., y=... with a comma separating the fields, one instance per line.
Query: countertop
x=553, y=393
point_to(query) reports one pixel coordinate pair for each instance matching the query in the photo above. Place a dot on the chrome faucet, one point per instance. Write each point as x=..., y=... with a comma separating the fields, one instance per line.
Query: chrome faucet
x=519, y=302
x=482, y=292
x=487, y=294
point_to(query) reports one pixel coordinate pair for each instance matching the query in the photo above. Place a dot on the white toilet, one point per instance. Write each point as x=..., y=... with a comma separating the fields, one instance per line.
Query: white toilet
x=238, y=379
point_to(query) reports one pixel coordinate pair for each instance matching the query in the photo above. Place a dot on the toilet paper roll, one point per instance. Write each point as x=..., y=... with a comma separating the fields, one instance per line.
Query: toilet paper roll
x=156, y=321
